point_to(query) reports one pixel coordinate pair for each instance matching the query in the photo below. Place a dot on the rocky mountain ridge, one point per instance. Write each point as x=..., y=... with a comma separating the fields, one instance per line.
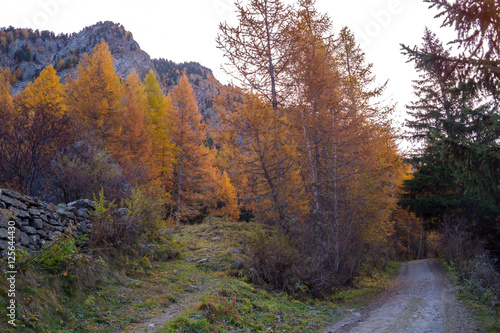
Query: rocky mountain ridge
x=27, y=53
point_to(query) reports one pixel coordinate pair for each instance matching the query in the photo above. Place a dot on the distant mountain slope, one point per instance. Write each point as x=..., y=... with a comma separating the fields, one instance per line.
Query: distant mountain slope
x=201, y=78
x=27, y=52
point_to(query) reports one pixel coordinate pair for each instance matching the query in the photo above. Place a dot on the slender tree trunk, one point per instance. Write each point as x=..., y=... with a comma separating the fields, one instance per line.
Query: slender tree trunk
x=179, y=178
x=272, y=187
x=271, y=63
x=396, y=240
x=420, y=244
x=409, y=251
x=336, y=223
x=312, y=172
x=173, y=196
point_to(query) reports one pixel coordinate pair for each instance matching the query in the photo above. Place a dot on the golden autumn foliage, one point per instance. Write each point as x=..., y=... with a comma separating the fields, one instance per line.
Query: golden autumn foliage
x=34, y=131
x=6, y=104
x=134, y=153
x=305, y=145
x=188, y=134
x=45, y=92
x=94, y=98
x=229, y=198
x=159, y=125
x=251, y=133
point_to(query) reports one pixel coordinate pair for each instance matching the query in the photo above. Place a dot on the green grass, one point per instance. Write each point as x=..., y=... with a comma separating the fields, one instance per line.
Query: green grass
x=488, y=315
x=365, y=288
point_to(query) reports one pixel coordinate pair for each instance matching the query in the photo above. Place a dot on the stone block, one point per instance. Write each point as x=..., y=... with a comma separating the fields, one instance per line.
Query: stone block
x=29, y=230
x=66, y=214
x=82, y=227
x=4, y=245
x=82, y=213
x=17, y=221
x=13, y=202
x=54, y=222
x=22, y=213
x=34, y=212
x=24, y=239
x=4, y=218
x=60, y=229
x=82, y=203
x=18, y=234
x=37, y=223
x=18, y=196
x=34, y=239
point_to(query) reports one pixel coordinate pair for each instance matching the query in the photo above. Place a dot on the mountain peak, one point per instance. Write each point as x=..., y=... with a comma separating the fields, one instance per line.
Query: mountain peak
x=27, y=52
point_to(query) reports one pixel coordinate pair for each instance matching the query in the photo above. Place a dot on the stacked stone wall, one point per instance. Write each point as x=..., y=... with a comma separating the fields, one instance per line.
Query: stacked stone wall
x=36, y=223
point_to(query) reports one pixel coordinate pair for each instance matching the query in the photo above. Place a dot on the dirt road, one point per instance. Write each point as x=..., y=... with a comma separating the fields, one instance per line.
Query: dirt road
x=422, y=300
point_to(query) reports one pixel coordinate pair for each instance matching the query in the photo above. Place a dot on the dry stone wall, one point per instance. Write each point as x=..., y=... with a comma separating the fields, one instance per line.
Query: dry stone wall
x=37, y=222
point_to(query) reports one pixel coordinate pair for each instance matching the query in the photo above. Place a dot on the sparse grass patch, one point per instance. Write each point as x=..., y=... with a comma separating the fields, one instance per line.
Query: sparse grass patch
x=486, y=312
x=365, y=288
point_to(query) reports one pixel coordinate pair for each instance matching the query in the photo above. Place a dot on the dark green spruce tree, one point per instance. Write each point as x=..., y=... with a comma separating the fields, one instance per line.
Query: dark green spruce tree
x=448, y=112
x=477, y=149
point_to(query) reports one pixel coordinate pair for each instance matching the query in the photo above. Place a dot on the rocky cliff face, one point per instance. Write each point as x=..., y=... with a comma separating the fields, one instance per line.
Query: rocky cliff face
x=28, y=52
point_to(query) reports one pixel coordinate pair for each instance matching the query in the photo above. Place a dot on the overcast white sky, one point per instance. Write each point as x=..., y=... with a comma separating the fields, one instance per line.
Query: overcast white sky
x=185, y=30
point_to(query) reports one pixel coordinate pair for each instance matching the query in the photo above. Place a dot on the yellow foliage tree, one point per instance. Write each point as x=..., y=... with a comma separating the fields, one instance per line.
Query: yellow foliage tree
x=94, y=98
x=229, y=197
x=46, y=92
x=159, y=124
x=6, y=104
x=37, y=128
x=188, y=134
x=135, y=153
x=257, y=142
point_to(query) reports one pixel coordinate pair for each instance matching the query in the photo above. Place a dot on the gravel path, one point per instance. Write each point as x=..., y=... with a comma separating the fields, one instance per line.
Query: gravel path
x=422, y=300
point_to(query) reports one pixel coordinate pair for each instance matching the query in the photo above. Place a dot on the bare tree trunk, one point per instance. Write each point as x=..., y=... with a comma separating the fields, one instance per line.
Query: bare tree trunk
x=409, y=250
x=171, y=214
x=335, y=195
x=420, y=244
x=178, y=217
x=271, y=63
x=309, y=155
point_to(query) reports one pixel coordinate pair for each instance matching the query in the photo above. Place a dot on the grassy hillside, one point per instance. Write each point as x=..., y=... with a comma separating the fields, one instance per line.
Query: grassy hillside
x=199, y=280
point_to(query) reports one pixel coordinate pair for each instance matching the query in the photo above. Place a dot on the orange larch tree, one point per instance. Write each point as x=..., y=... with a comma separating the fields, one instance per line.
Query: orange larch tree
x=94, y=99
x=188, y=134
x=159, y=124
x=135, y=153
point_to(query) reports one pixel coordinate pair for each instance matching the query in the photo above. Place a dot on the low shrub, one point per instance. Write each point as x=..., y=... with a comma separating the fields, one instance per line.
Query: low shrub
x=472, y=264
x=141, y=219
x=111, y=228
x=276, y=262
x=146, y=208
x=82, y=171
